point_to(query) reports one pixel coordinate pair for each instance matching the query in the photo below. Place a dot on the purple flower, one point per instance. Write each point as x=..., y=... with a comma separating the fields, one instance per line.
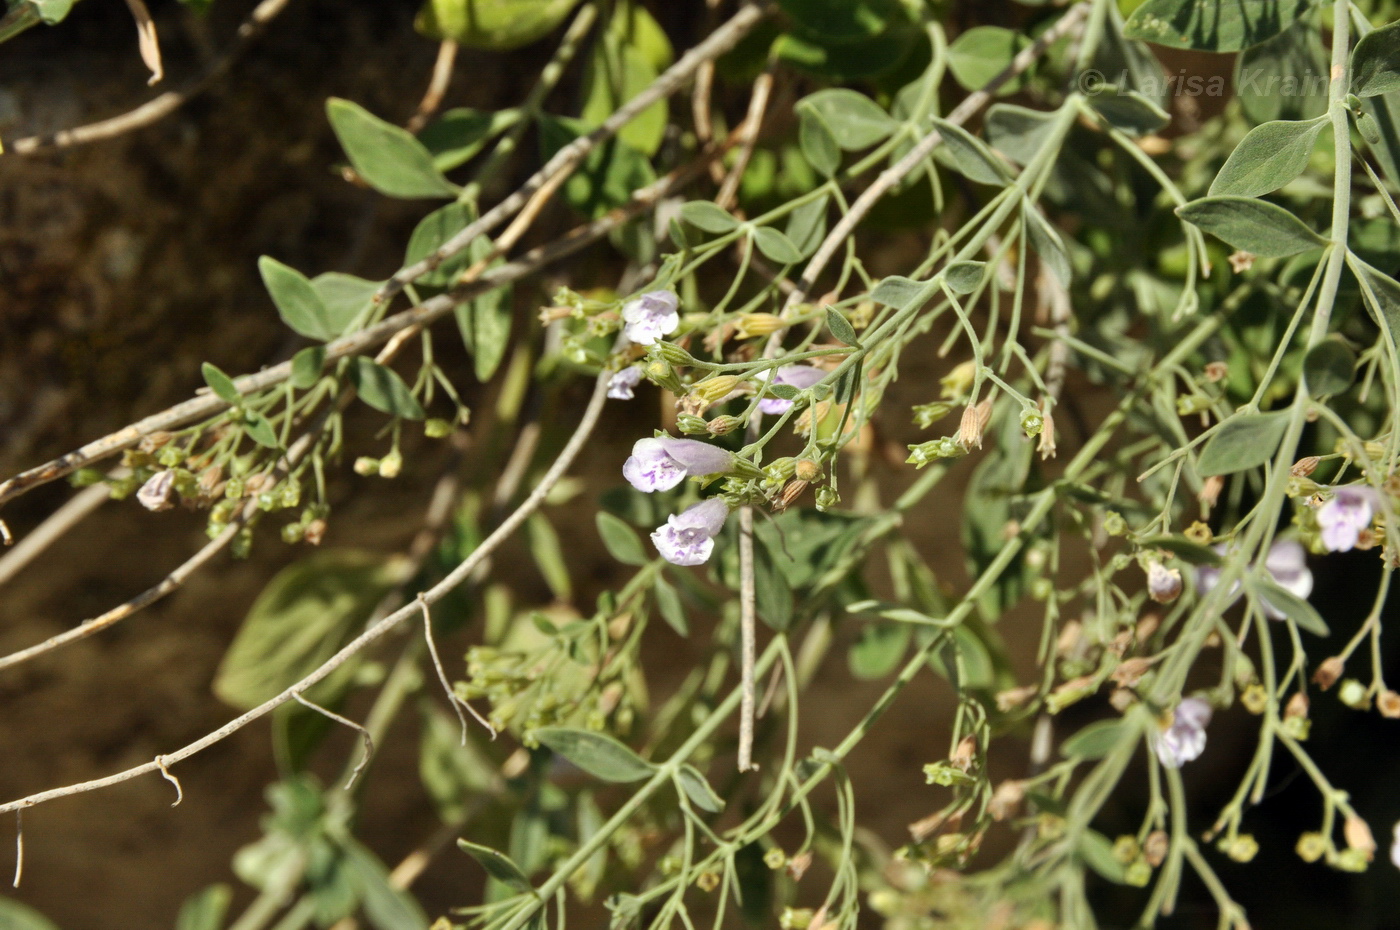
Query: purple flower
x=688, y=538
x=661, y=464
x=158, y=491
x=1163, y=584
x=1286, y=563
x=622, y=383
x=1344, y=516
x=799, y=376
x=1185, y=738
x=650, y=317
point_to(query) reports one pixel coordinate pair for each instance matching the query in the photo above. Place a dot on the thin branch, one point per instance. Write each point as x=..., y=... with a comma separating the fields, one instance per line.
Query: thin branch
x=437, y=86
x=205, y=403
x=375, y=632
x=452, y=697
x=753, y=122
x=364, y=734
x=157, y=109
x=76, y=510
x=919, y=154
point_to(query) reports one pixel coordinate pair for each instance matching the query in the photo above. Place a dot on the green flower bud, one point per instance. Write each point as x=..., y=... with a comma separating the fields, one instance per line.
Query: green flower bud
x=1032, y=422
x=364, y=465
x=775, y=858
x=1138, y=874
x=827, y=498
x=391, y=464
x=1311, y=847
x=1114, y=524
x=436, y=428
x=691, y=425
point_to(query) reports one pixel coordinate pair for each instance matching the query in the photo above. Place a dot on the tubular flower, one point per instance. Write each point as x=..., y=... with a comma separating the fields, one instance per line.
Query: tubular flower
x=650, y=317
x=1344, y=516
x=624, y=382
x=158, y=492
x=688, y=538
x=1185, y=738
x=799, y=376
x=661, y=464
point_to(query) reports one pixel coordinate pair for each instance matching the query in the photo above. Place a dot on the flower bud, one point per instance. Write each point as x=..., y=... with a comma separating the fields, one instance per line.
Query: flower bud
x=437, y=428
x=674, y=354
x=790, y=493
x=391, y=464
x=690, y=424
x=364, y=465
x=1358, y=835
x=757, y=324
x=1216, y=371
x=1328, y=672
x=716, y=388
x=1388, y=703
x=1210, y=490
x=158, y=493
x=1163, y=584
x=723, y=425
x=1304, y=467
x=1154, y=850
x=925, y=415
x=1046, y=446
x=827, y=498
x=1032, y=422
x=807, y=470
x=1006, y=799
x=1353, y=694
x=660, y=373
x=958, y=382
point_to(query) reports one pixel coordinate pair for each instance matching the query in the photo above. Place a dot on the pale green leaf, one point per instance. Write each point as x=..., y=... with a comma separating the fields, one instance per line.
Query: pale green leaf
x=1256, y=226
x=1246, y=440
x=1267, y=158
x=596, y=753
x=388, y=157
x=1213, y=25
x=383, y=389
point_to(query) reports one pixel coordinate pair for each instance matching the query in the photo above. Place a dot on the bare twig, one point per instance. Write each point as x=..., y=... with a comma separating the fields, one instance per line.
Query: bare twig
x=375, y=632
x=747, y=628
x=147, y=39
x=155, y=110
x=73, y=512
x=748, y=134
x=452, y=698
x=166, y=774
x=437, y=86
x=364, y=734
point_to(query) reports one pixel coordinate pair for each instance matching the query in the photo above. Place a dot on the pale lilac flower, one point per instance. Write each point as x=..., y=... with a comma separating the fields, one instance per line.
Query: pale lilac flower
x=688, y=538
x=624, y=382
x=661, y=464
x=1286, y=563
x=158, y=492
x=1395, y=847
x=1163, y=584
x=1185, y=738
x=799, y=376
x=650, y=317
x=1344, y=516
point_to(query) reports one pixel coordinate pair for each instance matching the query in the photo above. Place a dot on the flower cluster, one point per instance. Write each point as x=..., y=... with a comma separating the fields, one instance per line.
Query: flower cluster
x=661, y=464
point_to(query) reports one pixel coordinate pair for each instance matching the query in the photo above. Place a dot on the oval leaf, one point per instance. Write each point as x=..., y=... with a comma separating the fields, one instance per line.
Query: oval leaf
x=840, y=327
x=497, y=865
x=1329, y=367
x=383, y=389
x=856, y=122
x=1256, y=226
x=964, y=277
x=970, y=155
x=1246, y=440
x=297, y=301
x=818, y=143
x=1130, y=112
x=668, y=602
x=597, y=754
x=1096, y=740
x=1287, y=603
x=388, y=157
x=981, y=53
x=1375, y=62
x=307, y=365
x=1270, y=156
x=259, y=429
x=775, y=245
x=620, y=539
x=221, y=384
x=1213, y=25
x=707, y=216
x=698, y=790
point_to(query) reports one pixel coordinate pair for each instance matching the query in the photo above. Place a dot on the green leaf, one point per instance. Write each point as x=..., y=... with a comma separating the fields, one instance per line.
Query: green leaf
x=839, y=20
x=668, y=604
x=840, y=327
x=498, y=866
x=1048, y=245
x=856, y=122
x=307, y=612
x=1017, y=132
x=964, y=277
x=806, y=226
x=1246, y=440
x=307, y=365
x=1183, y=549
x=784, y=391
x=621, y=540
x=496, y=25
x=818, y=143
x=297, y=301
x=617, y=72
x=1375, y=62
x=1285, y=78
x=983, y=52
x=879, y=649
x=1257, y=226
x=1130, y=112
x=970, y=155
x=1097, y=853
x=1094, y=741
x=707, y=216
x=485, y=320
x=383, y=389
x=596, y=753
x=1329, y=367
x=698, y=790
x=898, y=291
x=52, y=11
x=203, y=910
x=388, y=157
x=1213, y=25
x=347, y=299
x=549, y=556
x=259, y=429
x=1267, y=158
x=1287, y=603
x=221, y=384
x=431, y=233
x=1381, y=294
x=776, y=245
x=456, y=137
x=386, y=907
x=16, y=916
